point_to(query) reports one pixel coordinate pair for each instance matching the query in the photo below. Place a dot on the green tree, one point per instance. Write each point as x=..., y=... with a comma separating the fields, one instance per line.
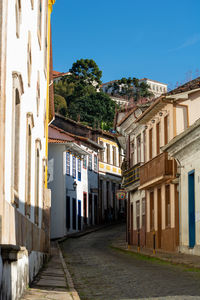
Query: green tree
x=96, y=110
x=86, y=71
x=131, y=88
x=60, y=105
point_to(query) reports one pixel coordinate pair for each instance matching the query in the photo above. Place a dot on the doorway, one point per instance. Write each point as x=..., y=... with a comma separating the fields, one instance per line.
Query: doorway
x=191, y=206
x=159, y=218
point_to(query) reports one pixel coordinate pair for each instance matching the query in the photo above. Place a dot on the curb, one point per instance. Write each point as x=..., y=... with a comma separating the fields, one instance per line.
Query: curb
x=158, y=257
x=70, y=283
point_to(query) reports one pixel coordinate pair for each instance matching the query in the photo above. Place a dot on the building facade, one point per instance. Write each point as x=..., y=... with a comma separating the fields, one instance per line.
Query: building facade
x=73, y=180
x=110, y=160
x=25, y=107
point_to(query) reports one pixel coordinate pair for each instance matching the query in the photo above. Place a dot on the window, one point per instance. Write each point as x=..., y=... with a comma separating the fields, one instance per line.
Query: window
x=79, y=169
x=74, y=167
x=150, y=143
x=18, y=16
x=39, y=30
x=101, y=152
x=152, y=210
x=139, y=148
x=114, y=155
x=138, y=214
x=37, y=179
x=132, y=153
x=29, y=126
x=120, y=158
x=95, y=163
x=29, y=59
x=167, y=206
x=108, y=153
x=143, y=212
x=68, y=163
x=32, y=4
x=144, y=145
x=16, y=107
x=85, y=162
x=90, y=162
x=166, y=129
x=38, y=94
x=158, y=138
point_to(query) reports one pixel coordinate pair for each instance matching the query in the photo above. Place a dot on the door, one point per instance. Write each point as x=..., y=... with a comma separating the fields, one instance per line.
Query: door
x=90, y=209
x=95, y=209
x=85, y=208
x=79, y=214
x=68, y=212
x=74, y=213
x=191, y=204
x=159, y=219
x=131, y=222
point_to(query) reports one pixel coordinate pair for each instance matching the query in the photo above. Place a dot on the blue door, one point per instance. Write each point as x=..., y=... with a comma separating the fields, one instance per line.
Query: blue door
x=79, y=214
x=191, y=204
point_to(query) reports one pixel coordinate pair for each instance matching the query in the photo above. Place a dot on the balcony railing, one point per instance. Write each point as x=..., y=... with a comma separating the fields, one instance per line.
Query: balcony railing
x=131, y=176
x=160, y=168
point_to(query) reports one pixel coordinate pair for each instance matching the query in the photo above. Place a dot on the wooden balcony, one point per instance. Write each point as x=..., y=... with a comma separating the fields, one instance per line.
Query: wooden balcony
x=156, y=171
x=131, y=177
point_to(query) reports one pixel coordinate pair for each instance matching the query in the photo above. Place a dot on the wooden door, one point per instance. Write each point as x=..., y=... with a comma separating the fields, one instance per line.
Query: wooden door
x=159, y=218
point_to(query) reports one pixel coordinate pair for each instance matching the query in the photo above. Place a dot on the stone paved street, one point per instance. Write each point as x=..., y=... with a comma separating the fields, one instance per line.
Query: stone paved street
x=103, y=273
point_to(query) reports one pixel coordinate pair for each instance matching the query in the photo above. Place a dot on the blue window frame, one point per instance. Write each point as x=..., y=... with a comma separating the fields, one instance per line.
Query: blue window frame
x=68, y=163
x=79, y=169
x=74, y=167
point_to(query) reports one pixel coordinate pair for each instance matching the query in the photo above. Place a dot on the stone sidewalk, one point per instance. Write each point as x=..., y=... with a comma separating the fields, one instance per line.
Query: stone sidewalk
x=53, y=282
x=187, y=260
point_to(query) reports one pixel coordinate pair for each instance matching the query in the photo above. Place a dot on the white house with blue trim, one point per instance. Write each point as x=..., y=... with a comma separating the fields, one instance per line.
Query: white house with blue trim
x=73, y=180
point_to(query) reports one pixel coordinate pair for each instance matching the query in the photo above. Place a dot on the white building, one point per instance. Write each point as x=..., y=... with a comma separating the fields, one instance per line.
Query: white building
x=24, y=205
x=185, y=148
x=73, y=180
x=156, y=87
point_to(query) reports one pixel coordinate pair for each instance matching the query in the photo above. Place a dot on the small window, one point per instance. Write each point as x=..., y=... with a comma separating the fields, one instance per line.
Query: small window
x=90, y=162
x=85, y=162
x=101, y=152
x=114, y=156
x=108, y=153
x=68, y=163
x=32, y=4
x=79, y=169
x=95, y=163
x=74, y=167
x=139, y=148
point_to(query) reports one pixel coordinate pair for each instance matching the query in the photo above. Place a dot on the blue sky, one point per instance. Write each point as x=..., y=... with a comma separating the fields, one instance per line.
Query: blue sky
x=156, y=39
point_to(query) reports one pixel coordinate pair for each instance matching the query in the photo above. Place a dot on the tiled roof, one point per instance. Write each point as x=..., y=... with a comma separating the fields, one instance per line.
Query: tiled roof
x=57, y=141
x=188, y=86
x=109, y=82
x=56, y=133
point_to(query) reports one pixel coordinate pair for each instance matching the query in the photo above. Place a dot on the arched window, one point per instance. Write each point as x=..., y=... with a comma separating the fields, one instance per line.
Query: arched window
x=29, y=126
x=17, y=92
x=29, y=59
x=18, y=16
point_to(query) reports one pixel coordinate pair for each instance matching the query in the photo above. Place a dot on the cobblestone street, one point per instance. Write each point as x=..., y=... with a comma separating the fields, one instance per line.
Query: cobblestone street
x=103, y=273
